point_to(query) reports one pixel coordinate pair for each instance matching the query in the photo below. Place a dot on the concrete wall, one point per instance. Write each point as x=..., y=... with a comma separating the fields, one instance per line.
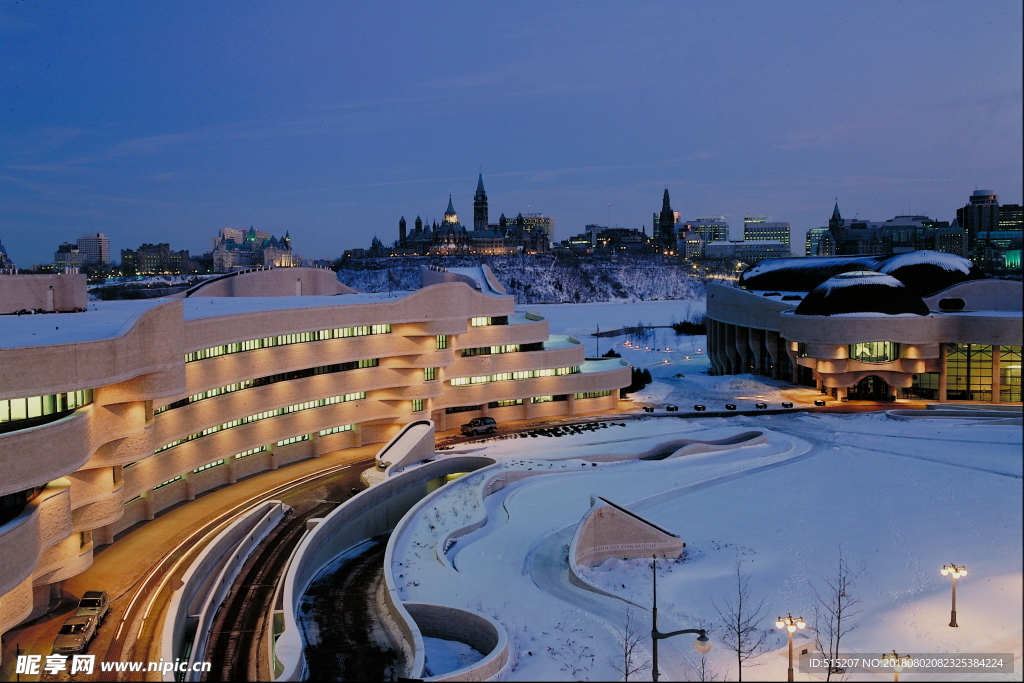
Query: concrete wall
x=371, y=513
x=608, y=531
x=274, y=282
x=479, y=631
x=48, y=292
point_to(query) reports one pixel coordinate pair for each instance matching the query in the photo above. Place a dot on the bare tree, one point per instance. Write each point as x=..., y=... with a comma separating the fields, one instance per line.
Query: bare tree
x=632, y=658
x=834, y=615
x=742, y=618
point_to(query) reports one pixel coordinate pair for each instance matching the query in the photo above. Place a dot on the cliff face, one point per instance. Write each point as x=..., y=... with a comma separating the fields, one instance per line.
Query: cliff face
x=544, y=279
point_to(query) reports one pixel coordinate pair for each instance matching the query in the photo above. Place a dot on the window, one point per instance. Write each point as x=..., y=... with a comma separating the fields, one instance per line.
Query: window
x=505, y=404
x=286, y=339
x=461, y=409
x=208, y=466
x=968, y=372
x=521, y=374
x=592, y=394
x=417, y=405
x=429, y=374
x=270, y=379
x=484, y=321
x=1009, y=373
x=506, y=348
x=875, y=352
x=442, y=342
x=924, y=386
x=336, y=430
x=294, y=439
x=251, y=451
x=169, y=481
x=32, y=407
x=801, y=350
x=542, y=399
x=306, y=405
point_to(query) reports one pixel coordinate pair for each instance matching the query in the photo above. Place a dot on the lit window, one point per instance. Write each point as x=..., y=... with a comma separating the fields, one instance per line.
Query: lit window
x=417, y=405
x=429, y=374
x=442, y=341
x=875, y=352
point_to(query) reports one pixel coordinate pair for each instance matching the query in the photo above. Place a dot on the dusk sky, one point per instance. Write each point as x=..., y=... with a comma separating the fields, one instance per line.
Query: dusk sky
x=163, y=122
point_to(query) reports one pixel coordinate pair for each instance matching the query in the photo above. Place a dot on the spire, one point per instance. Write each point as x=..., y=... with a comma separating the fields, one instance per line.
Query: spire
x=835, y=212
x=450, y=217
x=480, y=186
x=451, y=208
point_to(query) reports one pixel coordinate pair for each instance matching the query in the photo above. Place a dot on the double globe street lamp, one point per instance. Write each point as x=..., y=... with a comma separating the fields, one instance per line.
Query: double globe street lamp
x=956, y=572
x=791, y=625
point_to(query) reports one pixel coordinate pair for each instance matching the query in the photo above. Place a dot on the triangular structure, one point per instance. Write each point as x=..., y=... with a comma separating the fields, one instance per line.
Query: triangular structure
x=609, y=530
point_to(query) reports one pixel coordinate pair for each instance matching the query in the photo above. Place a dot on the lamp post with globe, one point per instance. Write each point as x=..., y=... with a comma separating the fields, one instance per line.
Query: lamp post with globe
x=791, y=625
x=956, y=572
x=702, y=644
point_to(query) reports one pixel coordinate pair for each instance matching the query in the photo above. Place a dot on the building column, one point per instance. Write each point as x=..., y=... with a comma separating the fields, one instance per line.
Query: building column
x=570, y=401
x=997, y=381
x=527, y=408
x=943, y=372
x=148, y=513
x=190, y=488
x=229, y=463
x=272, y=449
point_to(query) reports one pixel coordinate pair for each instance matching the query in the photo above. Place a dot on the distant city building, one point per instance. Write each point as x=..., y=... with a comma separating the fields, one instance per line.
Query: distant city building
x=709, y=228
x=6, y=264
x=156, y=258
x=760, y=228
x=664, y=226
x=846, y=237
x=980, y=214
x=94, y=248
x=1000, y=249
x=818, y=242
x=745, y=252
x=67, y=258
x=528, y=234
x=235, y=249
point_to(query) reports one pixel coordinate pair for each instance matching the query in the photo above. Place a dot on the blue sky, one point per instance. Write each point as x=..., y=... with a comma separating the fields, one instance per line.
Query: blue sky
x=162, y=122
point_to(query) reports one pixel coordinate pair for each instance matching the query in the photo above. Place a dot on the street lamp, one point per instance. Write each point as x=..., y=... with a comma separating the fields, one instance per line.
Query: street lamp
x=702, y=644
x=956, y=572
x=899, y=661
x=791, y=625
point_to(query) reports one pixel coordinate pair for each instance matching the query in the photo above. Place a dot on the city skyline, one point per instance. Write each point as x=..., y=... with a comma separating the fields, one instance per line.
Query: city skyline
x=333, y=121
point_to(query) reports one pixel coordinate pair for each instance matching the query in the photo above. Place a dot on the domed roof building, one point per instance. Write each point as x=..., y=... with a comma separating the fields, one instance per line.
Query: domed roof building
x=928, y=272
x=861, y=291
x=921, y=325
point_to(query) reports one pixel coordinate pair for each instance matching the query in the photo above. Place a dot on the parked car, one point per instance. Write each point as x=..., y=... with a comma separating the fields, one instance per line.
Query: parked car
x=94, y=604
x=730, y=406
x=480, y=425
x=74, y=636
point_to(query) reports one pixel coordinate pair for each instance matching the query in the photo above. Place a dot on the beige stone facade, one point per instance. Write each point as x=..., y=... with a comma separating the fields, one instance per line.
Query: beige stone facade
x=968, y=353
x=179, y=396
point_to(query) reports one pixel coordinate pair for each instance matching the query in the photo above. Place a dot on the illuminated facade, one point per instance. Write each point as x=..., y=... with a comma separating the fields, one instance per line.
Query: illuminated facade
x=111, y=415
x=922, y=325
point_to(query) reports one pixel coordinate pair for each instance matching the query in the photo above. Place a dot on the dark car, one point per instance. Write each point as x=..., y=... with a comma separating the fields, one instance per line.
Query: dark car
x=480, y=425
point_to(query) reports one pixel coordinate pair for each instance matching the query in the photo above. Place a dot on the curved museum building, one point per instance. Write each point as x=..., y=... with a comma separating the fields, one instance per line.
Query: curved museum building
x=111, y=414
x=920, y=325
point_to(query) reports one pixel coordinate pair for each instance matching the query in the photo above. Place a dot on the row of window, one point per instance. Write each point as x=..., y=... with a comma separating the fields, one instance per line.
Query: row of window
x=484, y=321
x=969, y=372
x=267, y=414
x=15, y=409
x=286, y=339
x=521, y=374
x=592, y=394
x=864, y=352
x=271, y=379
x=505, y=348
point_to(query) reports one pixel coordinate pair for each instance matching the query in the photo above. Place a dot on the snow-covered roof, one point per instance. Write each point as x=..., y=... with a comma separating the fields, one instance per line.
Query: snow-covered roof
x=861, y=292
x=103, y=320
x=924, y=272
x=213, y=306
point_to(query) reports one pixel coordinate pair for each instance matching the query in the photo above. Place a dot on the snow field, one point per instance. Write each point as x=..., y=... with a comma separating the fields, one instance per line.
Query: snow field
x=898, y=499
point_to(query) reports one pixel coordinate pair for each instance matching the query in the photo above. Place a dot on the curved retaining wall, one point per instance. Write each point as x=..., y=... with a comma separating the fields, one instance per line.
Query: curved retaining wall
x=371, y=513
x=479, y=631
x=207, y=581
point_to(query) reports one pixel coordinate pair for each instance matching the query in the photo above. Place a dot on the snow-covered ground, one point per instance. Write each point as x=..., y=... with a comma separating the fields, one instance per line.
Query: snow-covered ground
x=897, y=499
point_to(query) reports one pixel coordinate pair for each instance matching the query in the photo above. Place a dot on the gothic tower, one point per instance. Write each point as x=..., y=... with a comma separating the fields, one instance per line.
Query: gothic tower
x=666, y=225
x=480, y=205
x=837, y=219
x=401, y=232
